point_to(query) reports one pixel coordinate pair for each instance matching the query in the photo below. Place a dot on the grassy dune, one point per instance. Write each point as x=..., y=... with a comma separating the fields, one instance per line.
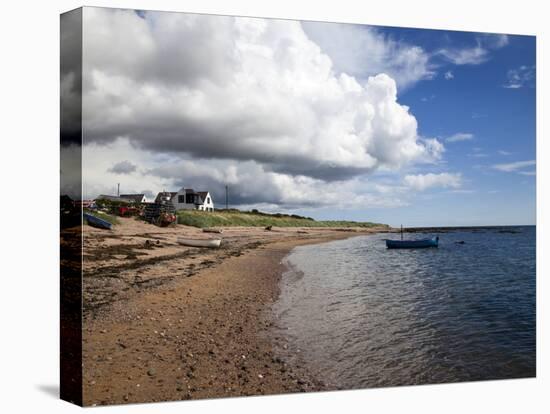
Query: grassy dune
x=222, y=218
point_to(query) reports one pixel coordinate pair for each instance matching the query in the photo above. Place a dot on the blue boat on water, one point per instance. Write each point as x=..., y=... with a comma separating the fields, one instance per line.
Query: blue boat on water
x=97, y=222
x=412, y=244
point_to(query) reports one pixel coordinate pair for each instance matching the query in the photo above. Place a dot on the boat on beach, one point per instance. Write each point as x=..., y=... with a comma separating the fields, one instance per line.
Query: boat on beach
x=97, y=222
x=212, y=243
x=212, y=230
x=412, y=244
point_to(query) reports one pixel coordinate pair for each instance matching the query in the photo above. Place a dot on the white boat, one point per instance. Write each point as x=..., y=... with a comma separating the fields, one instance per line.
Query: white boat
x=200, y=242
x=212, y=230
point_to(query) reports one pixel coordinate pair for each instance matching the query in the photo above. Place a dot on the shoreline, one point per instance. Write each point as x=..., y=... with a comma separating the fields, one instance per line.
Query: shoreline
x=205, y=336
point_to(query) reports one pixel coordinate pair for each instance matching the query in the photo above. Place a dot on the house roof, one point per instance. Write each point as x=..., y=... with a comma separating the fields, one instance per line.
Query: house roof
x=112, y=198
x=203, y=194
x=137, y=198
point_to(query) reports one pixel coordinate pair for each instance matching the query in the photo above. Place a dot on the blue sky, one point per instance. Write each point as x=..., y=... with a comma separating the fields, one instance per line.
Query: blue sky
x=491, y=105
x=334, y=121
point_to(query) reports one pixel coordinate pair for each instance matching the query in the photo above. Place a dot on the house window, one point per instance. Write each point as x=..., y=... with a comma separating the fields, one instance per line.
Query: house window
x=207, y=200
x=181, y=199
x=190, y=198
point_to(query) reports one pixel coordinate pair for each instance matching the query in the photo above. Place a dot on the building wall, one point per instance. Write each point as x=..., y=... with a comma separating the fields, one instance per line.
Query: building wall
x=181, y=206
x=190, y=206
x=208, y=206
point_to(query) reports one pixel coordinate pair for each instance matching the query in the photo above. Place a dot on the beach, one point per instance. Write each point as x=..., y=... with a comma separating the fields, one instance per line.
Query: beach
x=168, y=322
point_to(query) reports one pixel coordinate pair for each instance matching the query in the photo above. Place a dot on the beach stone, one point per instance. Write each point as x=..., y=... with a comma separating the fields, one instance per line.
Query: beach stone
x=151, y=372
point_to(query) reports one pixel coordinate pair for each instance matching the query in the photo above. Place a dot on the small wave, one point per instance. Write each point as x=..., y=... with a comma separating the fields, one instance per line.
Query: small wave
x=364, y=316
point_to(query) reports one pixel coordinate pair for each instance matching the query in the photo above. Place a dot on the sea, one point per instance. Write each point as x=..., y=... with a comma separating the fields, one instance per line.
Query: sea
x=359, y=315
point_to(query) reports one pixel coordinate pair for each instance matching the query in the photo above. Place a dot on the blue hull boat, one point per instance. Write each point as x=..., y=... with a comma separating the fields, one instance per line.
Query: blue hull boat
x=412, y=244
x=97, y=222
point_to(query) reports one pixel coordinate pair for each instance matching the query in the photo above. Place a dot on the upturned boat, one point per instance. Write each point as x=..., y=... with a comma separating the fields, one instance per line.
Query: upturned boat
x=212, y=243
x=97, y=222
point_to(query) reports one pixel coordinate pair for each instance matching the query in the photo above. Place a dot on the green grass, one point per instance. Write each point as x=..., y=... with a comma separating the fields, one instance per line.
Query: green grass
x=232, y=218
x=104, y=216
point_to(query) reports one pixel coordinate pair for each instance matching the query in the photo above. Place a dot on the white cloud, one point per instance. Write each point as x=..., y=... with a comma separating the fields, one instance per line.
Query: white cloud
x=476, y=115
x=474, y=55
x=467, y=56
x=449, y=75
x=520, y=77
x=497, y=41
x=250, y=184
x=502, y=152
x=514, y=166
x=460, y=136
x=213, y=91
x=363, y=51
x=423, y=182
x=477, y=152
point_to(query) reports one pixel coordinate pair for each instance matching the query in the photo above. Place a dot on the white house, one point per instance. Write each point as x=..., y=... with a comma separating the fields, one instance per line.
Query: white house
x=187, y=199
x=205, y=201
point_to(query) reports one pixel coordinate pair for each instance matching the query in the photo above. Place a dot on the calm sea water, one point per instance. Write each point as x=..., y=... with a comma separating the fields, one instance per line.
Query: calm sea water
x=361, y=315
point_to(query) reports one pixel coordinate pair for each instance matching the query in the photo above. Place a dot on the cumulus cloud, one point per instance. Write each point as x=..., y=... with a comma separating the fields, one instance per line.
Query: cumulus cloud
x=279, y=103
x=250, y=185
x=460, y=136
x=423, y=182
x=210, y=99
x=363, y=51
x=449, y=75
x=514, y=166
x=520, y=77
x=123, y=167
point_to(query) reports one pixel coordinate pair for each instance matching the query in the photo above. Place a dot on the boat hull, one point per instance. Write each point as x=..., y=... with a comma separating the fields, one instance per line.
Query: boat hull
x=412, y=244
x=97, y=222
x=211, y=243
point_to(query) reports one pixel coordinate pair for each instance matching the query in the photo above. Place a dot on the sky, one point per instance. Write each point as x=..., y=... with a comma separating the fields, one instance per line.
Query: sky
x=333, y=121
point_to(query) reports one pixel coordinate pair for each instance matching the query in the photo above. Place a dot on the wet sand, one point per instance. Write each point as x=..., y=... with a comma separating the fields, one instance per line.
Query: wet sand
x=168, y=322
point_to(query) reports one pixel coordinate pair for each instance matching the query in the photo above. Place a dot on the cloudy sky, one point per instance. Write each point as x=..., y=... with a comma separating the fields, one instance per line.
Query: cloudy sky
x=419, y=127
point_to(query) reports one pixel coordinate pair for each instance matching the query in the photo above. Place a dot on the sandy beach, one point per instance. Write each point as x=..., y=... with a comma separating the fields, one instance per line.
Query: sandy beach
x=168, y=322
